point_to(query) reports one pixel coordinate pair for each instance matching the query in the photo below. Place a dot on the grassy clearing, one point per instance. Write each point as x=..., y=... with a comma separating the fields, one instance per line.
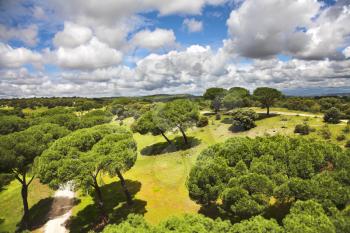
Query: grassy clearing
x=158, y=179
x=11, y=209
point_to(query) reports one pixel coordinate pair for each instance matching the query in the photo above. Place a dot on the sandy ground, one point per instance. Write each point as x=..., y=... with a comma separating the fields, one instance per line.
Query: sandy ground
x=61, y=210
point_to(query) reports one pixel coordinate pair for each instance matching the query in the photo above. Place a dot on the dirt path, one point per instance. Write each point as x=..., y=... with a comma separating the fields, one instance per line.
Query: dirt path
x=61, y=210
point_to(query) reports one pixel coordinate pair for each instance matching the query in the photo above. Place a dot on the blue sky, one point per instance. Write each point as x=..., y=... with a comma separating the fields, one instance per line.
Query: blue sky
x=120, y=47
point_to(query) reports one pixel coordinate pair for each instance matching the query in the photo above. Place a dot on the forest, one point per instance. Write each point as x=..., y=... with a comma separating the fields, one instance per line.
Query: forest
x=228, y=161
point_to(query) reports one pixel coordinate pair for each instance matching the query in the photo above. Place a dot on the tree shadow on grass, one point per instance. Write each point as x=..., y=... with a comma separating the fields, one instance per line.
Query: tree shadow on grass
x=115, y=205
x=177, y=144
x=39, y=213
x=227, y=120
x=262, y=116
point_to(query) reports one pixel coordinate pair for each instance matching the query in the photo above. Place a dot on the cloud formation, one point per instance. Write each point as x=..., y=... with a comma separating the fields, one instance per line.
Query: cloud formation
x=193, y=25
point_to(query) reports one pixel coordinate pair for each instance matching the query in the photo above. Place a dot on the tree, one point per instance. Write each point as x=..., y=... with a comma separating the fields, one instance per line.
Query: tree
x=267, y=96
x=216, y=104
x=244, y=119
x=151, y=122
x=332, y=115
x=237, y=97
x=82, y=156
x=120, y=153
x=180, y=114
x=257, y=224
x=18, y=151
x=214, y=92
x=11, y=123
x=307, y=216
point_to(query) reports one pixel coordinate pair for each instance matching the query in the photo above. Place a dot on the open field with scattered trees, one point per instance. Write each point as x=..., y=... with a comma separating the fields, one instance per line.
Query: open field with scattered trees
x=227, y=161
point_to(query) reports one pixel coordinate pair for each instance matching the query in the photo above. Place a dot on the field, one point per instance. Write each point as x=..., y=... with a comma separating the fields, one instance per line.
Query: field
x=158, y=179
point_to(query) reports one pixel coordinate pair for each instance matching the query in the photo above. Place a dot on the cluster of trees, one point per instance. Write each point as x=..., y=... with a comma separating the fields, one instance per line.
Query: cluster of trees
x=318, y=104
x=178, y=115
x=59, y=115
x=238, y=97
x=81, y=104
x=245, y=174
x=18, y=151
x=304, y=216
x=83, y=155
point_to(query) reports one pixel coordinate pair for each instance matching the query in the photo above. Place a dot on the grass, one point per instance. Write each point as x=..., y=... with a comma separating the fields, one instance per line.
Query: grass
x=11, y=209
x=158, y=179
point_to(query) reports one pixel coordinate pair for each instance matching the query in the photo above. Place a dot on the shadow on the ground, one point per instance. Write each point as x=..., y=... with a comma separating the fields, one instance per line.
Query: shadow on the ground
x=227, y=120
x=212, y=211
x=39, y=213
x=115, y=204
x=177, y=144
x=262, y=116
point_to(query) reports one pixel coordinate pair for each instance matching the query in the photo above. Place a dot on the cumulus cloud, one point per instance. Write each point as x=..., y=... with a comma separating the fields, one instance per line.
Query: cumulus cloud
x=91, y=55
x=26, y=34
x=17, y=57
x=152, y=40
x=346, y=52
x=193, y=25
x=303, y=29
x=72, y=35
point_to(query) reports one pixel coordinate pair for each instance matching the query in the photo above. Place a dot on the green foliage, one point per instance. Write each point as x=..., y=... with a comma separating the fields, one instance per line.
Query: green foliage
x=303, y=129
x=203, y=121
x=325, y=132
x=267, y=96
x=214, y=92
x=243, y=119
x=237, y=97
x=245, y=173
x=216, y=104
x=257, y=224
x=341, y=137
x=96, y=117
x=12, y=123
x=308, y=216
x=332, y=115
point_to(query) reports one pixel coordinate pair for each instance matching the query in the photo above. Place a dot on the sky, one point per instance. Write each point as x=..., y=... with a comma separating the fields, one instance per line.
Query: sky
x=97, y=48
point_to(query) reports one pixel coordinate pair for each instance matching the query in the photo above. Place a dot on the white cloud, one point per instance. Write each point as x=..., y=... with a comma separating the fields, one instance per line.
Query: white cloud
x=28, y=34
x=346, y=52
x=72, y=35
x=91, y=55
x=193, y=25
x=261, y=29
x=152, y=40
x=17, y=57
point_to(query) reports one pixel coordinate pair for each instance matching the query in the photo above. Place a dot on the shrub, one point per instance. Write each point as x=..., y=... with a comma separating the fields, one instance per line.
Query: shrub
x=217, y=117
x=347, y=144
x=243, y=119
x=203, y=121
x=325, y=132
x=341, y=137
x=303, y=129
x=346, y=129
x=332, y=115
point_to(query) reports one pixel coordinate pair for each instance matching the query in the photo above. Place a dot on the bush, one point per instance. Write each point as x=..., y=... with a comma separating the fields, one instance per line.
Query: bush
x=244, y=119
x=325, y=132
x=341, y=137
x=217, y=117
x=203, y=121
x=332, y=115
x=346, y=129
x=347, y=144
x=303, y=129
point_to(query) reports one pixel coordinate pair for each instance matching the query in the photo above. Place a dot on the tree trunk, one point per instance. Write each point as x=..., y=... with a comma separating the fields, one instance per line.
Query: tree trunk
x=125, y=189
x=268, y=110
x=103, y=215
x=184, y=135
x=24, y=193
x=166, y=138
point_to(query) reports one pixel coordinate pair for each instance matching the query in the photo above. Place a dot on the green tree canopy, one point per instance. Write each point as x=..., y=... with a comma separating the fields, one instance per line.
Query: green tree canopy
x=12, y=123
x=245, y=173
x=214, y=92
x=82, y=156
x=332, y=115
x=151, y=122
x=180, y=114
x=267, y=96
x=18, y=151
x=308, y=216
